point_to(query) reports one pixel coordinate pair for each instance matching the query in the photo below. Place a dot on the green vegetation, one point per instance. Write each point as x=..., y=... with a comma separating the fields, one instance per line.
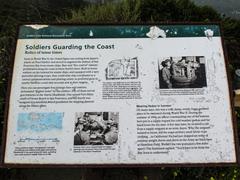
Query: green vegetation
x=229, y=7
x=124, y=11
x=73, y=11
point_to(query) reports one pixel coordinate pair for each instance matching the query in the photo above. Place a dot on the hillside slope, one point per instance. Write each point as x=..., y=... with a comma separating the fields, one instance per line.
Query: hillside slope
x=229, y=7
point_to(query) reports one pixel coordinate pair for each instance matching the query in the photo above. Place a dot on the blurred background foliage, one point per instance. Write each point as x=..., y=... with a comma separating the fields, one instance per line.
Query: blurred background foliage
x=13, y=12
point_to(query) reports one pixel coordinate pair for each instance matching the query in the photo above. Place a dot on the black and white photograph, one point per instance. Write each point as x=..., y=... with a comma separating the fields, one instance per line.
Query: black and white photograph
x=96, y=128
x=125, y=68
x=182, y=72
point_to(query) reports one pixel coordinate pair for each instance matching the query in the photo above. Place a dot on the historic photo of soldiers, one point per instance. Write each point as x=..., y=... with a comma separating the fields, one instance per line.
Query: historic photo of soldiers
x=182, y=72
x=96, y=128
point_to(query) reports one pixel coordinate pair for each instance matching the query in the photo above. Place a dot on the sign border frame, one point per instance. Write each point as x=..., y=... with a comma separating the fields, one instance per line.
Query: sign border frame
x=119, y=165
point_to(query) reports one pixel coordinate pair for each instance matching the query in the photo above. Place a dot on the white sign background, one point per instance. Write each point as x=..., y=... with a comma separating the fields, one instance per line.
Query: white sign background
x=216, y=97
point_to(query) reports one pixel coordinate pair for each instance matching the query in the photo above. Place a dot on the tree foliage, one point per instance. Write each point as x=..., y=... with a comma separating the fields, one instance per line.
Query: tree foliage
x=124, y=11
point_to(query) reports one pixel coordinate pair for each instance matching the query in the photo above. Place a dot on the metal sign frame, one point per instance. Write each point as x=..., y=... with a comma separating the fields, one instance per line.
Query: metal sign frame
x=5, y=129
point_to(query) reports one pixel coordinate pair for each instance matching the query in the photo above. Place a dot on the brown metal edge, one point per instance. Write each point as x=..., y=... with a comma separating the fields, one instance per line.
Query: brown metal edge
x=230, y=88
x=120, y=165
x=7, y=99
x=122, y=23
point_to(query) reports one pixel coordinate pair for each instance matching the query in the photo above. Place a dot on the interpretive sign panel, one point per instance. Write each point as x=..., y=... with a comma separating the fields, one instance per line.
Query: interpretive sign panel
x=119, y=95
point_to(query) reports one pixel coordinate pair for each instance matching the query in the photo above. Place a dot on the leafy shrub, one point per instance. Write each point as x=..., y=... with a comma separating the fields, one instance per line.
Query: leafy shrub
x=124, y=11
